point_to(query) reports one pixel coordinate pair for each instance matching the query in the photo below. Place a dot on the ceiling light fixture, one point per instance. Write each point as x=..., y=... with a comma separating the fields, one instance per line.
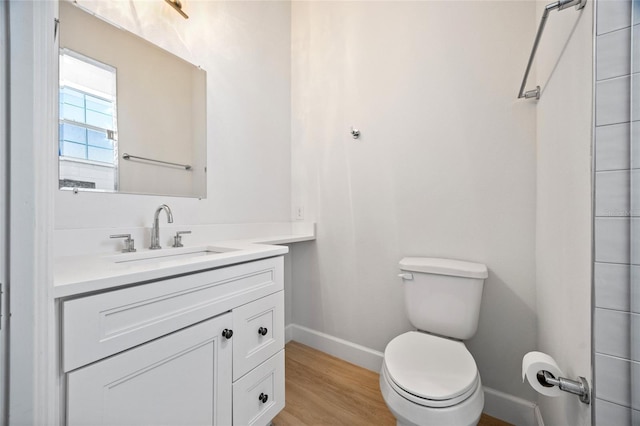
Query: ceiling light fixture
x=177, y=5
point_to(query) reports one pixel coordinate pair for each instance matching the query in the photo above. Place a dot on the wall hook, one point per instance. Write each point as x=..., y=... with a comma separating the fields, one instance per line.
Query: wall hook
x=355, y=133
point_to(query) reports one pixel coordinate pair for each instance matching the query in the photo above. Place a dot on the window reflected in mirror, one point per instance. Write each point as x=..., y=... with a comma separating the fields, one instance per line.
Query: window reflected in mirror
x=88, y=146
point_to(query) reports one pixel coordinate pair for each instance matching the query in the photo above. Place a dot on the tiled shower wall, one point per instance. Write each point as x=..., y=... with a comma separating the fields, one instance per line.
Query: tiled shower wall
x=617, y=247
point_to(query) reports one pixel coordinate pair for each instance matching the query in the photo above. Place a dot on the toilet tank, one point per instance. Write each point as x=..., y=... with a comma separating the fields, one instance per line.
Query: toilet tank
x=442, y=296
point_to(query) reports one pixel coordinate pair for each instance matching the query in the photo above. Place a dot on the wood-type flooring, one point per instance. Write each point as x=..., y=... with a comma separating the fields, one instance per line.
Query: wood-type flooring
x=324, y=390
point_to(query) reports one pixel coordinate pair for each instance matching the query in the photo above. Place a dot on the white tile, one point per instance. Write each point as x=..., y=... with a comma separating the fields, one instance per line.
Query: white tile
x=635, y=385
x=612, y=147
x=635, y=237
x=634, y=198
x=613, y=380
x=612, y=332
x=635, y=289
x=612, y=240
x=634, y=332
x=608, y=413
x=635, y=145
x=612, y=101
x=612, y=288
x=613, y=15
x=635, y=88
x=635, y=6
x=613, y=193
x=613, y=52
x=635, y=44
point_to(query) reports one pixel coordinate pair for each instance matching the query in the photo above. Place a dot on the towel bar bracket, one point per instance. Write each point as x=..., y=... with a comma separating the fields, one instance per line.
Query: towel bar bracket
x=535, y=93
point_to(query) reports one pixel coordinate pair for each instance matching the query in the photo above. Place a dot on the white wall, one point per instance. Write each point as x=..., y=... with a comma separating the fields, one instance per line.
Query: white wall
x=32, y=92
x=4, y=196
x=563, y=225
x=445, y=166
x=103, y=175
x=245, y=49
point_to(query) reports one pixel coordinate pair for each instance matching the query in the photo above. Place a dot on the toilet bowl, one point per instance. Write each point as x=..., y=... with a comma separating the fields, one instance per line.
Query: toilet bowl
x=428, y=377
x=431, y=381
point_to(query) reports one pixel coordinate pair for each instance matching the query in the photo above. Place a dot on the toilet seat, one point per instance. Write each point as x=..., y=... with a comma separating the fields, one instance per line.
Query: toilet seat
x=408, y=413
x=425, y=402
x=430, y=371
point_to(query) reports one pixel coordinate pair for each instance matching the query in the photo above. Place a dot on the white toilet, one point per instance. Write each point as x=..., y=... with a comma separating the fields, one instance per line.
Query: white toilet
x=428, y=377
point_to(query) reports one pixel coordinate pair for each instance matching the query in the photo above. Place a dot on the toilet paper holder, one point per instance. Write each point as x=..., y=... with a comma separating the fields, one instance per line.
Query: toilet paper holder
x=578, y=387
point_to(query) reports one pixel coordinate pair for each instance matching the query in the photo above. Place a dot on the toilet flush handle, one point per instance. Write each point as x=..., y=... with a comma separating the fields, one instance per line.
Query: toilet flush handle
x=406, y=276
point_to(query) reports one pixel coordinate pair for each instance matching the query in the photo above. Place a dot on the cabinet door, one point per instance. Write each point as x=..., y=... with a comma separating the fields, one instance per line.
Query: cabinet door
x=183, y=378
x=258, y=332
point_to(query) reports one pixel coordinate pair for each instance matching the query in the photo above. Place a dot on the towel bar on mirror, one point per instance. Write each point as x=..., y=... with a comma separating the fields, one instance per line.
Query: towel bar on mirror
x=126, y=156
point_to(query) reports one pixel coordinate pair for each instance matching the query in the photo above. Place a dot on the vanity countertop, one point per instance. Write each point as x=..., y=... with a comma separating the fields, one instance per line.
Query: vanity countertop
x=76, y=275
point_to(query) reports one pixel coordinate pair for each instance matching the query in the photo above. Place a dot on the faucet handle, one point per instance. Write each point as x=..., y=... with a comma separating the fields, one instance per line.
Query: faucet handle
x=177, y=240
x=129, y=243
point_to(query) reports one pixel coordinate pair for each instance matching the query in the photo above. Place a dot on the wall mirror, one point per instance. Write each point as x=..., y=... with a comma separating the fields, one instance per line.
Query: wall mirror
x=132, y=115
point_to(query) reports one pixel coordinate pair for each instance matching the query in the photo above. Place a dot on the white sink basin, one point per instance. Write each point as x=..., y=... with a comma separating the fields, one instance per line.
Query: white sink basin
x=168, y=254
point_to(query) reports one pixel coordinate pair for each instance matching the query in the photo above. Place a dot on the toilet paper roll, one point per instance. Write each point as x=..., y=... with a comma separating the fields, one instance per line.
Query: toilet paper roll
x=532, y=363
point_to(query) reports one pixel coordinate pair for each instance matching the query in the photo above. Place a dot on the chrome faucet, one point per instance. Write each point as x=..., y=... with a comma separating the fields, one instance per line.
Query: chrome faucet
x=155, y=230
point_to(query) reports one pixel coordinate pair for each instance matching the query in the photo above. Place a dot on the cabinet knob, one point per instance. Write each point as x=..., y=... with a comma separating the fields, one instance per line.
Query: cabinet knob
x=226, y=333
x=263, y=331
x=263, y=397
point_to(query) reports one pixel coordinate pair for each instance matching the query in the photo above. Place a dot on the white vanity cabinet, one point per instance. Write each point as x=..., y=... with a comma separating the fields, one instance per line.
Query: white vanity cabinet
x=200, y=349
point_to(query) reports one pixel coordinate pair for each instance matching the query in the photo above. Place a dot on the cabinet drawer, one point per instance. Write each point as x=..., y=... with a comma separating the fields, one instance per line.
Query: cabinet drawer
x=258, y=332
x=259, y=396
x=95, y=327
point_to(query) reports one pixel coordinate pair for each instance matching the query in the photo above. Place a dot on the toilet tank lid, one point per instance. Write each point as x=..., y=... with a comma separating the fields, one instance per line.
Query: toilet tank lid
x=455, y=268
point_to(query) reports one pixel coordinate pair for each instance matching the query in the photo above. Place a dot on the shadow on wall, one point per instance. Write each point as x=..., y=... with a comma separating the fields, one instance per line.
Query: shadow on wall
x=491, y=346
x=363, y=305
x=547, y=81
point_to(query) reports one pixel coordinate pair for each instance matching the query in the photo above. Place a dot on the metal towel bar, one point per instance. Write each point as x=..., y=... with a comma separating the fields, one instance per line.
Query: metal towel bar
x=559, y=5
x=129, y=156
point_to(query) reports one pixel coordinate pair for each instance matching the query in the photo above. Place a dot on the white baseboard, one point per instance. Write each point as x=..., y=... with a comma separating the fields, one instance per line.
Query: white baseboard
x=497, y=404
x=511, y=409
x=288, y=333
x=340, y=348
x=539, y=420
